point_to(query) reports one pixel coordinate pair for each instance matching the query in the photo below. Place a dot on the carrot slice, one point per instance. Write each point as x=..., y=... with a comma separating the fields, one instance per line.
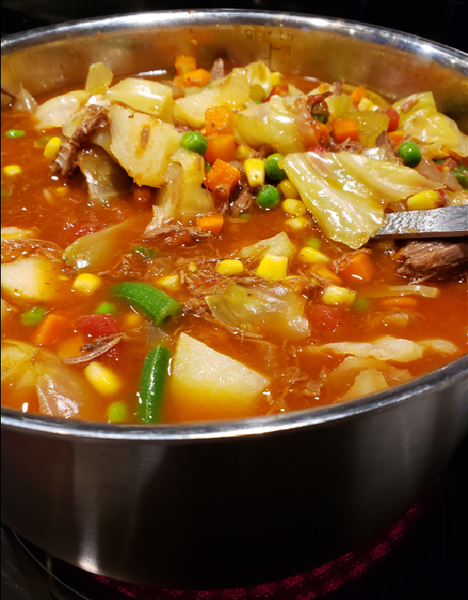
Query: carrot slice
x=221, y=179
x=213, y=222
x=396, y=137
x=400, y=302
x=219, y=119
x=196, y=78
x=50, y=330
x=344, y=129
x=359, y=268
x=184, y=64
x=358, y=94
x=222, y=146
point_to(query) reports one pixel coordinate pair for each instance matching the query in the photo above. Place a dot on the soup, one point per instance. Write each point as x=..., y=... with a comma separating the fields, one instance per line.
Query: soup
x=202, y=247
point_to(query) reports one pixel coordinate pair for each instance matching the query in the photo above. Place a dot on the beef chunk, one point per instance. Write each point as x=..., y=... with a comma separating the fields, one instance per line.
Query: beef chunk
x=423, y=260
x=217, y=71
x=67, y=159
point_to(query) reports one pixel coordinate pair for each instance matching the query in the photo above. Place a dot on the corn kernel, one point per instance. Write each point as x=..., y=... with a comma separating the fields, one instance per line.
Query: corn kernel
x=366, y=104
x=288, y=190
x=170, y=282
x=275, y=78
x=255, y=171
x=61, y=191
x=192, y=267
x=243, y=152
x=293, y=207
x=229, y=267
x=12, y=170
x=297, y=223
x=103, y=379
x=313, y=256
x=133, y=321
x=87, y=283
x=52, y=148
x=273, y=267
x=334, y=295
x=423, y=200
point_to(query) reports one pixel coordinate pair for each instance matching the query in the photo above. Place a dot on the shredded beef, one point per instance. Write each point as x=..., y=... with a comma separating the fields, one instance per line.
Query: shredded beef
x=95, y=349
x=67, y=158
x=217, y=70
x=12, y=249
x=422, y=260
x=383, y=141
x=348, y=146
x=245, y=199
x=7, y=92
x=196, y=306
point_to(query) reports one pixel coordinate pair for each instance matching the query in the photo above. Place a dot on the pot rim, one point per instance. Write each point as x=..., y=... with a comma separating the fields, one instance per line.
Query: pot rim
x=436, y=381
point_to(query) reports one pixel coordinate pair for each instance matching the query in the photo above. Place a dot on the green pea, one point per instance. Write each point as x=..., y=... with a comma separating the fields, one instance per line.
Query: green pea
x=144, y=251
x=268, y=196
x=440, y=161
x=195, y=142
x=245, y=215
x=33, y=316
x=320, y=117
x=43, y=141
x=410, y=153
x=14, y=134
x=272, y=169
x=105, y=308
x=207, y=167
x=118, y=412
x=6, y=194
x=461, y=174
x=314, y=243
x=361, y=304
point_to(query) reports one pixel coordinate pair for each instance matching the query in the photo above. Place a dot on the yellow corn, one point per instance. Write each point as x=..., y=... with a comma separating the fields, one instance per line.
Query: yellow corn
x=288, y=190
x=297, y=223
x=12, y=170
x=255, y=171
x=243, y=152
x=102, y=379
x=192, y=267
x=313, y=256
x=275, y=78
x=229, y=267
x=52, y=148
x=293, y=207
x=338, y=296
x=423, y=200
x=87, y=283
x=133, y=321
x=61, y=191
x=273, y=267
x=170, y=282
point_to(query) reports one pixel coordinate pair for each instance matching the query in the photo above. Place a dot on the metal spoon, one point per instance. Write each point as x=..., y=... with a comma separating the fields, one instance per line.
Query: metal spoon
x=451, y=221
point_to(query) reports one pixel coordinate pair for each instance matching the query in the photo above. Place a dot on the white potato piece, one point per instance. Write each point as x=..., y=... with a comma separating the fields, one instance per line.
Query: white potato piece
x=33, y=278
x=144, y=96
x=208, y=384
x=142, y=145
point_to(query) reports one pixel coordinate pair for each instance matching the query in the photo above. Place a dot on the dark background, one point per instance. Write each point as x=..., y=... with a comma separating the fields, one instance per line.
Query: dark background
x=444, y=21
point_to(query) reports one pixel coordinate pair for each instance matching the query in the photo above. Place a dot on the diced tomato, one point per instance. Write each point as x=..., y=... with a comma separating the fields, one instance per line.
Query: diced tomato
x=97, y=326
x=278, y=90
x=394, y=118
x=325, y=318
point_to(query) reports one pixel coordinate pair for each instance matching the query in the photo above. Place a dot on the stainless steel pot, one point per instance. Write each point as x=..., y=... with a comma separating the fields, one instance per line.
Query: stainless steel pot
x=236, y=502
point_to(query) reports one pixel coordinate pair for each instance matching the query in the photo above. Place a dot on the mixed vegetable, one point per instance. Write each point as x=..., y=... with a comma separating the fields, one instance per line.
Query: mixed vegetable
x=202, y=247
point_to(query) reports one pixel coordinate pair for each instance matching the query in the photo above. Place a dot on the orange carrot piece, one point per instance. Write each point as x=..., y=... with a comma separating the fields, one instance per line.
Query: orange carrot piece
x=219, y=119
x=400, y=302
x=358, y=94
x=221, y=179
x=50, y=330
x=213, y=222
x=184, y=64
x=197, y=78
x=359, y=268
x=344, y=129
x=222, y=146
x=396, y=137
x=71, y=346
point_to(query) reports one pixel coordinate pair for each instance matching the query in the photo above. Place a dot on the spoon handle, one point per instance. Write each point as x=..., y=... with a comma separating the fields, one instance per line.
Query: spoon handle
x=451, y=221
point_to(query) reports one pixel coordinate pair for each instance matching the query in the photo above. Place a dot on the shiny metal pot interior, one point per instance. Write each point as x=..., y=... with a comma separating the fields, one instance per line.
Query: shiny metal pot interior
x=237, y=502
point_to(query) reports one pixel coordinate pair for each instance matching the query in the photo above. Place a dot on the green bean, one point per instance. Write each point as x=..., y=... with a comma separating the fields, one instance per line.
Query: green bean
x=154, y=303
x=153, y=379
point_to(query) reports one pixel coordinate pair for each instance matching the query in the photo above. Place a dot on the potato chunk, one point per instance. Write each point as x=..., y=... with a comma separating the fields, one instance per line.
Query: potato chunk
x=33, y=278
x=142, y=145
x=210, y=385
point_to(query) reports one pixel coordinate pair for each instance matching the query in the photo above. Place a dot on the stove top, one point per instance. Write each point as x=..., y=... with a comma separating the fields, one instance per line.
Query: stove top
x=429, y=561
